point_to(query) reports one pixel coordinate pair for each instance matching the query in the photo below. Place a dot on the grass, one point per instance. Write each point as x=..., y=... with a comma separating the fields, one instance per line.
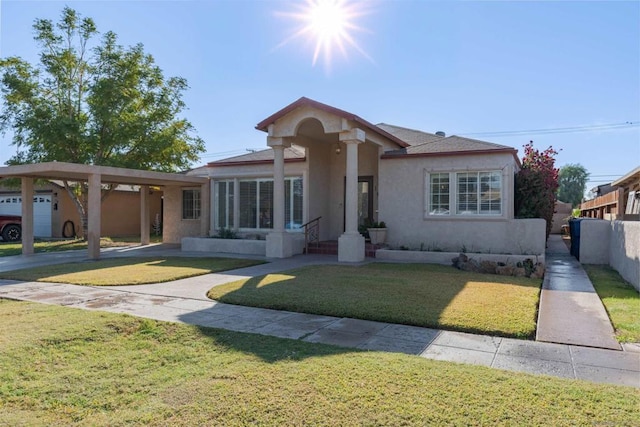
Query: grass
x=414, y=294
x=62, y=366
x=11, y=248
x=620, y=299
x=127, y=271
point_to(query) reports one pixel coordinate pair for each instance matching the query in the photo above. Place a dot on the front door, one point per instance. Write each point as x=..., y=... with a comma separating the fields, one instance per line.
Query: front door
x=365, y=200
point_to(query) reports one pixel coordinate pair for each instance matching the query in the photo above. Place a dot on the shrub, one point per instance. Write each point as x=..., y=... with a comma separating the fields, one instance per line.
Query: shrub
x=226, y=233
x=536, y=185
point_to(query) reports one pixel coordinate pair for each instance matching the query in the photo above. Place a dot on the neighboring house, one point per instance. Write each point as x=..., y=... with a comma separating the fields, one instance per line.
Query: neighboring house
x=434, y=192
x=619, y=200
x=54, y=209
x=614, y=239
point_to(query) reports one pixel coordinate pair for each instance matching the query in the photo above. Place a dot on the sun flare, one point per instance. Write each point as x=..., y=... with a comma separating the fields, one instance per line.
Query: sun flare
x=329, y=25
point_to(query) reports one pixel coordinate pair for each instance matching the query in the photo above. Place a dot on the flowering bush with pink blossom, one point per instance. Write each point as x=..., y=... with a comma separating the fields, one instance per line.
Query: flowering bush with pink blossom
x=536, y=185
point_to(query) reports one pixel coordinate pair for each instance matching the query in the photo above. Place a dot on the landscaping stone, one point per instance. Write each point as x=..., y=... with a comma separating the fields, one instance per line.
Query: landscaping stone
x=488, y=267
x=504, y=270
x=526, y=268
x=519, y=272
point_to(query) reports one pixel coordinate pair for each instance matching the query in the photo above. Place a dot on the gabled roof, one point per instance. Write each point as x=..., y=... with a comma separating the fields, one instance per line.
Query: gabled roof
x=410, y=136
x=451, y=145
x=430, y=144
x=306, y=102
x=291, y=154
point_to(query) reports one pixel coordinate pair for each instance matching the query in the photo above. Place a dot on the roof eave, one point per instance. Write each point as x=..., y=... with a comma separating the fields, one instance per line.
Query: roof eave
x=253, y=162
x=511, y=151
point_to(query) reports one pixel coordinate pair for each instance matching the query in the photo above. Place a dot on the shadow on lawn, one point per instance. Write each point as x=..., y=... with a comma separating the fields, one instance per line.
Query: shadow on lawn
x=277, y=295
x=48, y=272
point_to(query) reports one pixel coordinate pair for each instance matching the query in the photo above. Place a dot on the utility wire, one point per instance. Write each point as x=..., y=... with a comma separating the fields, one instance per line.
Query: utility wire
x=572, y=129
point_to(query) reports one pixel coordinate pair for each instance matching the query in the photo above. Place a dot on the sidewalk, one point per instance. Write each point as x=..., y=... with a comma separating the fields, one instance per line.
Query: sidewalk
x=185, y=301
x=571, y=311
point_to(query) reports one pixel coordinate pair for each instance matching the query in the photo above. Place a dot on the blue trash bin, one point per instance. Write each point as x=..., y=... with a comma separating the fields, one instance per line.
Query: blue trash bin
x=574, y=232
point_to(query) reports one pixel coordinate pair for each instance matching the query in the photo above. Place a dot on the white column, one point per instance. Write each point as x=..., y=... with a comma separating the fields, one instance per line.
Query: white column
x=145, y=226
x=351, y=189
x=204, y=208
x=279, y=242
x=351, y=243
x=27, y=216
x=278, y=188
x=93, y=238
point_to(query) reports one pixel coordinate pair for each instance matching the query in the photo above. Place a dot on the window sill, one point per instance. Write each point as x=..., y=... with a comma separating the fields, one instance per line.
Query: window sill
x=465, y=218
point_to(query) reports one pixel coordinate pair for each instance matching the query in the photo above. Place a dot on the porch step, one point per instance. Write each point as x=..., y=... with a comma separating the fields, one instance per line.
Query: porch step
x=330, y=247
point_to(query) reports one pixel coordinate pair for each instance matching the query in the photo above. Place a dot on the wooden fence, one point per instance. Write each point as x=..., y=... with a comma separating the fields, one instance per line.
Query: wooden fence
x=609, y=206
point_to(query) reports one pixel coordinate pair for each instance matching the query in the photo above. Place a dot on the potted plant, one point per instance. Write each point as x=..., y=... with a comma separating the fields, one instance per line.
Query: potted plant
x=377, y=232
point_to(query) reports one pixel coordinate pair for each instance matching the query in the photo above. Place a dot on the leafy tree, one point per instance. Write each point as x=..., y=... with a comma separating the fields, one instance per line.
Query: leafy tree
x=94, y=102
x=536, y=185
x=572, y=183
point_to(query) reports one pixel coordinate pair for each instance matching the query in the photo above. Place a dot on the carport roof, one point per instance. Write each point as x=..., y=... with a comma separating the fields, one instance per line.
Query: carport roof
x=108, y=174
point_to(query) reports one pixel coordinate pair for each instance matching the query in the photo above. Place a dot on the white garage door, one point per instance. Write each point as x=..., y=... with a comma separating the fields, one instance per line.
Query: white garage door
x=11, y=204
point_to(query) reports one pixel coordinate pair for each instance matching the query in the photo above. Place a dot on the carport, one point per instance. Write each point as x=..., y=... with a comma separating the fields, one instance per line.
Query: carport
x=96, y=176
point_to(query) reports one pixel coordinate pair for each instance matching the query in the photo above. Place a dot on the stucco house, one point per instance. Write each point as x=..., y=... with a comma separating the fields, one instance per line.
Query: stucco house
x=434, y=192
x=329, y=167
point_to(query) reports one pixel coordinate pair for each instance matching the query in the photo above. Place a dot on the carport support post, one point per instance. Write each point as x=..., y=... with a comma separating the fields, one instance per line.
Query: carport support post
x=27, y=216
x=95, y=194
x=145, y=227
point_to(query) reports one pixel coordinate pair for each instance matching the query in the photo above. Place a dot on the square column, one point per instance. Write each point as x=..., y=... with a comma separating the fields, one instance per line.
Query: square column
x=205, y=205
x=279, y=242
x=27, y=216
x=145, y=226
x=94, y=208
x=351, y=243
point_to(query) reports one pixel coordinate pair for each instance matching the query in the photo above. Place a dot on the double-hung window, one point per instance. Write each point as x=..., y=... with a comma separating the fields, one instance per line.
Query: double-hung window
x=255, y=203
x=191, y=204
x=439, y=188
x=224, y=202
x=465, y=193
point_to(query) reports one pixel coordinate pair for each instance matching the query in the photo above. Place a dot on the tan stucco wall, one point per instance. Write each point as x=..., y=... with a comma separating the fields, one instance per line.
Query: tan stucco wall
x=402, y=207
x=319, y=191
x=120, y=214
x=175, y=228
x=561, y=213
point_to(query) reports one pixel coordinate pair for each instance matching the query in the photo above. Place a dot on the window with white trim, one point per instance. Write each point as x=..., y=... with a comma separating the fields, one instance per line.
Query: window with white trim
x=474, y=193
x=256, y=203
x=439, y=196
x=224, y=203
x=191, y=204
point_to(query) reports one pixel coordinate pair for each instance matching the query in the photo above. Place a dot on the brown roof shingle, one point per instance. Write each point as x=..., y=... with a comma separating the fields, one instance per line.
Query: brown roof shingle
x=410, y=136
x=292, y=153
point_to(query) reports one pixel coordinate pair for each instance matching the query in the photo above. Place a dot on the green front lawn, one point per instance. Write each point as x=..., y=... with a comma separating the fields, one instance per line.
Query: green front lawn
x=127, y=271
x=620, y=299
x=413, y=294
x=12, y=248
x=62, y=366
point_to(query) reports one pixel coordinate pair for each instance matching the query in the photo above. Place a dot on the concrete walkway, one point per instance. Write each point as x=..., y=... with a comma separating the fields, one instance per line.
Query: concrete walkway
x=571, y=311
x=185, y=301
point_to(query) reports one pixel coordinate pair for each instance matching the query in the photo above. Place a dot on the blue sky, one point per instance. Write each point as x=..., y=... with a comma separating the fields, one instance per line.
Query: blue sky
x=466, y=68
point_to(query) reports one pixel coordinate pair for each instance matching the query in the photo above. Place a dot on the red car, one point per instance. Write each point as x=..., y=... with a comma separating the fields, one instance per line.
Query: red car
x=11, y=228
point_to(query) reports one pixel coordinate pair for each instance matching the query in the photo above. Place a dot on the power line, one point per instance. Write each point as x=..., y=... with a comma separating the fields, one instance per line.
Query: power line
x=572, y=129
x=230, y=152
